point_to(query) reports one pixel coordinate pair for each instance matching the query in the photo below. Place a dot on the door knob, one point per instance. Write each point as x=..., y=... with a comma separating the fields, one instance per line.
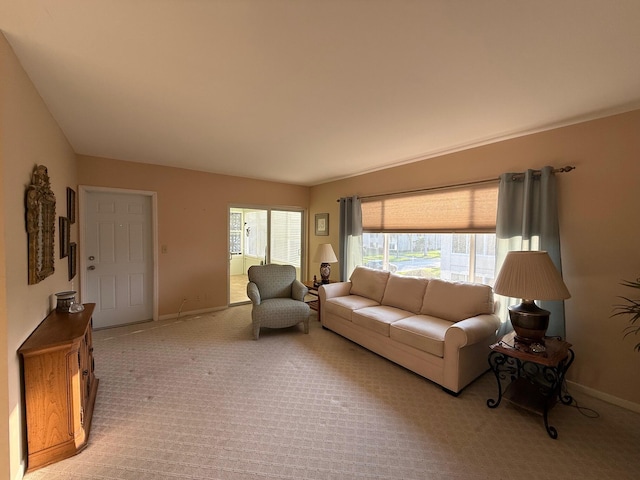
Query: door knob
x=91, y=267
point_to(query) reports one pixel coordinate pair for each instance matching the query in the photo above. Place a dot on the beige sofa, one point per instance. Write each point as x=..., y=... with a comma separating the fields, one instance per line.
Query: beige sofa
x=438, y=329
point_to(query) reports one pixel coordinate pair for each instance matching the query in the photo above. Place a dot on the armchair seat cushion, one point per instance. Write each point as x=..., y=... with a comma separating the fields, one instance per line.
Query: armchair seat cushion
x=281, y=312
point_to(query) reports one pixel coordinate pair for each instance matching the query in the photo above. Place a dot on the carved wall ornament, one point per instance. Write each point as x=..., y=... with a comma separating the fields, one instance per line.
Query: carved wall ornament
x=40, y=218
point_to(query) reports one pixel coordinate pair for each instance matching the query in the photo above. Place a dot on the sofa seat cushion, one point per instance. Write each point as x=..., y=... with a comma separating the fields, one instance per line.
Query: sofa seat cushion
x=423, y=332
x=369, y=283
x=455, y=301
x=344, y=306
x=377, y=319
x=405, y=292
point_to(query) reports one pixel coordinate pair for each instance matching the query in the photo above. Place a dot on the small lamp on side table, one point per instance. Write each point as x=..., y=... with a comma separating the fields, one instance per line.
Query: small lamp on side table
x=325, y=256
x=530, y=275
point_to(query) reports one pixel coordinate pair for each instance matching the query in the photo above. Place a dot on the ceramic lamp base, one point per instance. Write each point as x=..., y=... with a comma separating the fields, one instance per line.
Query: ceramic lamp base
x=325, y=272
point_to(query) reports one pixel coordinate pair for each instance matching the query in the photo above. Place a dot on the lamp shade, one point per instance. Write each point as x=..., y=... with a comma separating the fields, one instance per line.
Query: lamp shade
x=530, y=275
x=325, y=254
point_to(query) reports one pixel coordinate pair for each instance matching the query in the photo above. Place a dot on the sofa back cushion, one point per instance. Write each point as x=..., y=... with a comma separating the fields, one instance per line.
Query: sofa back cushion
x=455, y=301
x=369, y=283
x=405, y=293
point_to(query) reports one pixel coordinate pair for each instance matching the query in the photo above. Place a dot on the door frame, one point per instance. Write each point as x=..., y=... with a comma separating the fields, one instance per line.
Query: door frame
x=268, y=209
x=83, y=191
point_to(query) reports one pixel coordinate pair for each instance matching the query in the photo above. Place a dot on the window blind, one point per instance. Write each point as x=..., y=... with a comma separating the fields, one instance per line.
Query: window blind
x=470, y=209
x=286, y=237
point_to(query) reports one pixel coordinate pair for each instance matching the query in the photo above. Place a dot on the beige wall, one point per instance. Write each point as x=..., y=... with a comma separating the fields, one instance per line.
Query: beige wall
x=599, y=226
x=4, y=346
x=192, y=222
x=29, y=135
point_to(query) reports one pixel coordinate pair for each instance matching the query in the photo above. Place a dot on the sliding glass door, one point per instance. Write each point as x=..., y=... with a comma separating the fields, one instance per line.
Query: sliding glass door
x=261, y=236
x=286, y=239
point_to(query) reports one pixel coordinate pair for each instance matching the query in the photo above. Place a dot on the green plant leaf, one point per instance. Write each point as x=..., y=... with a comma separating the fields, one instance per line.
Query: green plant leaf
x=631, y=309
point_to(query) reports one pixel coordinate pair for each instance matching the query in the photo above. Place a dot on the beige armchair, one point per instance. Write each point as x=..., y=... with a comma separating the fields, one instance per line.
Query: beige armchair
x=277, y=298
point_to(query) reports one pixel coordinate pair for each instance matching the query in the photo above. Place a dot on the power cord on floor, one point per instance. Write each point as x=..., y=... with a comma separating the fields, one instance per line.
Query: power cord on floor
x=585, y=411
x=184, y=300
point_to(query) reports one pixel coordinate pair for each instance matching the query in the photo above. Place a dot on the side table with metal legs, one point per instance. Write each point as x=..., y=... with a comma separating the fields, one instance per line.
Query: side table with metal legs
x=532, y=379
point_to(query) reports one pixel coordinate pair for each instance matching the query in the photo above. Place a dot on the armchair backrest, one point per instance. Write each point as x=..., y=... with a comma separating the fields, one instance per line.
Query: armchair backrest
x=273, y=281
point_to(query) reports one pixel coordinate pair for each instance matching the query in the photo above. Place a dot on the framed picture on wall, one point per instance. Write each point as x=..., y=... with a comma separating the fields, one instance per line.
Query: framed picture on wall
x=322, y=224
x=63, y=224
x=73, y=250
x=71, y=205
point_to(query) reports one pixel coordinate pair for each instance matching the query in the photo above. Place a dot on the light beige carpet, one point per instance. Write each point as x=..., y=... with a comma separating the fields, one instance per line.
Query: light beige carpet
x=197, y=398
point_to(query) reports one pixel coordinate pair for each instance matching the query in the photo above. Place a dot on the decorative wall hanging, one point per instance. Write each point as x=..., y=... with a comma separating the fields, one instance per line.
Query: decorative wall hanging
x=71, y=205
x=322, y=224
x=40, y=203
x=63, y=225
x=73, y=249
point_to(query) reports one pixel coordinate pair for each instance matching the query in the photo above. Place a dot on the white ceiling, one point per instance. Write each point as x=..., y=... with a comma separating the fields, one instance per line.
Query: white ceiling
x=307, y=91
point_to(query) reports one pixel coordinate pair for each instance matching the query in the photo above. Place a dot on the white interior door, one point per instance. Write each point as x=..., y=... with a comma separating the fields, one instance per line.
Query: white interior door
x=118, y=249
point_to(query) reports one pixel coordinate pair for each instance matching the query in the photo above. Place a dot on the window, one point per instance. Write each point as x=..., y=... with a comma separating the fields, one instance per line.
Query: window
x=460, y=244
x=286, y=237
x=433, y=255
x=255, y=229
x=445, y=233
x=235, y=233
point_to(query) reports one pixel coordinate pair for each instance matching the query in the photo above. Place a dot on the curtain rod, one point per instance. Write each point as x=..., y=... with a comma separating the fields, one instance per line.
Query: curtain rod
x=516, y=176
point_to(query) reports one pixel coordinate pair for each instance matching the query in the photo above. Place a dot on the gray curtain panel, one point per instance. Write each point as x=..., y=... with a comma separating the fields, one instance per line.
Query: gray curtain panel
x=527, y=219
x=350, y=236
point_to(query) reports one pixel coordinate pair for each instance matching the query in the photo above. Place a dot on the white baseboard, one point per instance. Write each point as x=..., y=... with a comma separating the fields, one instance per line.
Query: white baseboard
x=576, y=387
x=169, y=316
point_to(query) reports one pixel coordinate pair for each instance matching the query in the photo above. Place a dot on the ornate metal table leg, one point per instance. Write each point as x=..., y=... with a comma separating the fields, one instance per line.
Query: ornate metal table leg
x=496, y=359
x=555, y=378
x=565, y=398
x=553, y=433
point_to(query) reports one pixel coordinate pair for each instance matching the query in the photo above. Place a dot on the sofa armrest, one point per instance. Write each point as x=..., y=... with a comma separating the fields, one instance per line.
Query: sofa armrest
x=466, y=346
x=331, y=290
x=253, y=293
x=298, y=290
x=472, y=330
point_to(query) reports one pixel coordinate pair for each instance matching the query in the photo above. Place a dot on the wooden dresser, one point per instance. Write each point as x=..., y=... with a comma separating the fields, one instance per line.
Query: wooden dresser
x=59, y=386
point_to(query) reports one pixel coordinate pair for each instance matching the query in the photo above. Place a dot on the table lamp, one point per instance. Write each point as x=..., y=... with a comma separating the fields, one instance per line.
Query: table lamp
x=325, y=256
x=530, y=275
